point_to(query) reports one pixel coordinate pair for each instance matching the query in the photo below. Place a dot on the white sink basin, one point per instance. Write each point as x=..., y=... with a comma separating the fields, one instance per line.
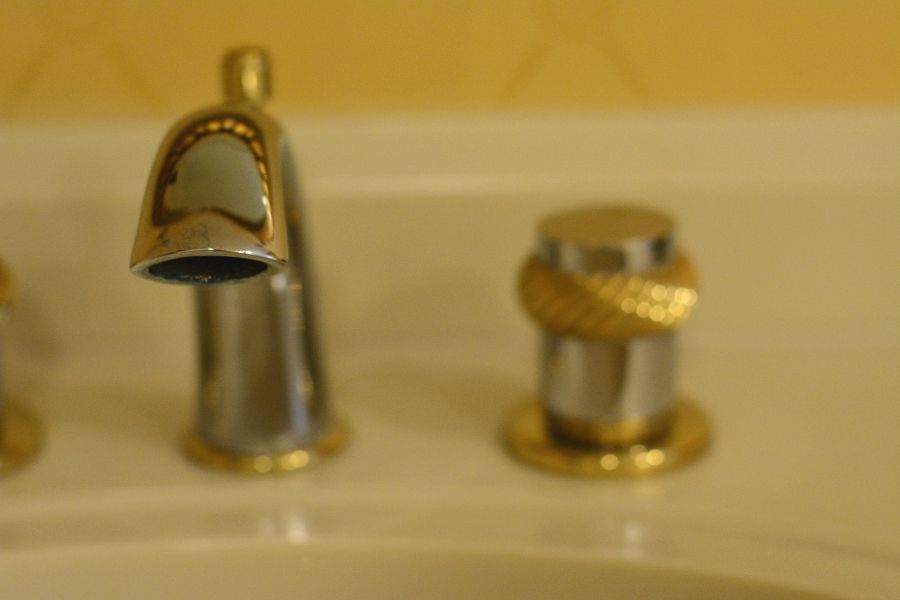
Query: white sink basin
x=357, y=571
x=418, y=227
x=424, y=548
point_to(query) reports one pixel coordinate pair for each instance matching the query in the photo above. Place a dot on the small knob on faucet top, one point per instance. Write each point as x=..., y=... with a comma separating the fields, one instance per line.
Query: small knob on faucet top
x=245, y=75
x=603, y=239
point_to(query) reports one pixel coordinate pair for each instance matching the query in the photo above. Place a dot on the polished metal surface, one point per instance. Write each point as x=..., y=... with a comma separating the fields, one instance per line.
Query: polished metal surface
x=606, y=383
x=261, y=384
x=214, y=209
x=7, y=296
x=222, y=212
x=7, y=293
x=686, y=438
x=267, y=462
x=608, y=306
x=20, y=436
x=608, y=288
x=609, y=239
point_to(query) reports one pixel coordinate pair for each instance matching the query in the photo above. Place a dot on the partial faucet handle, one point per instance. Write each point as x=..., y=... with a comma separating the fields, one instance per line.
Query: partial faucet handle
x=7, y=293
x=20, y=430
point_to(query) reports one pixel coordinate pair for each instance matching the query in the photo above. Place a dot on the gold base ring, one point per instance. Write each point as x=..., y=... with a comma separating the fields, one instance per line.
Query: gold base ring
x=260, y=464
x=622, y=434
x=20, y=436
x=528, y=439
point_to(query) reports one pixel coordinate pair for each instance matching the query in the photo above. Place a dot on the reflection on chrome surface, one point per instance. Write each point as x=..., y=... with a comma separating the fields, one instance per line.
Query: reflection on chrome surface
x=222, y=212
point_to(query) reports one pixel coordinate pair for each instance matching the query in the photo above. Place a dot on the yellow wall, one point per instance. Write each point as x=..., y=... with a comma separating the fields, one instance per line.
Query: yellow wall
x=102, y=58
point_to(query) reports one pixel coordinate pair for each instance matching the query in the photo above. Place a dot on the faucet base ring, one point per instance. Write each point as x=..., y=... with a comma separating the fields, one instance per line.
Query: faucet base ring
x=260, y=464
x=529, y=440
x=20, y=436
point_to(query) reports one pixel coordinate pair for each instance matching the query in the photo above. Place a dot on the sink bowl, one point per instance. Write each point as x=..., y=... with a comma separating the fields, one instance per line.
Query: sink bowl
x=387, y=544
x=349, y=570
x=418, y=229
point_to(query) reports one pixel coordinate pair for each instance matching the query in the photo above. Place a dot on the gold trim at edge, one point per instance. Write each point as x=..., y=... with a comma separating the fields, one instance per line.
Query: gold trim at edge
x=7, y=290
x=624, y=433
x=262, y=464
x=528, y=439
x=20, y=436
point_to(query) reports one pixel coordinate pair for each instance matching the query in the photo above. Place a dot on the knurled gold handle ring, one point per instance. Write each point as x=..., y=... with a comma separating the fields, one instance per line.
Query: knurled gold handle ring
x=614, y=306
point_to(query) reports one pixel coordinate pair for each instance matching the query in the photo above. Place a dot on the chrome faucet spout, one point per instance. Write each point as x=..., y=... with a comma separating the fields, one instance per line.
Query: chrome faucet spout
x=222, y=212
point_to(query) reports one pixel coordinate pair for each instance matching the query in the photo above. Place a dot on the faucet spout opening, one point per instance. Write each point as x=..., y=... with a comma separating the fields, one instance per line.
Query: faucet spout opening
x=206, y=270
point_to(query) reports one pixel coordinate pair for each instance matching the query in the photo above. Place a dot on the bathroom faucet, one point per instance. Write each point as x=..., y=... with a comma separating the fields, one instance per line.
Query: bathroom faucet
x=222, y=212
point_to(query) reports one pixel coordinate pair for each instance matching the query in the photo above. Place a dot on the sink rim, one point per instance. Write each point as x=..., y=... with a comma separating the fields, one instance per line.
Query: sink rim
x=706, y=547
x=457, y=555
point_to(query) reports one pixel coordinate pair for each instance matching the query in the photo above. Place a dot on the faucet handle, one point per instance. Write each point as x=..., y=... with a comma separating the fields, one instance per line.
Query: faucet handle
x=7, y=293
x=608, y=289
x=20, y=431
x=245, y=75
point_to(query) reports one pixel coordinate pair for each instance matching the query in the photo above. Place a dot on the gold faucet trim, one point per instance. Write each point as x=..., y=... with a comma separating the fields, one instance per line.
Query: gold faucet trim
x=20, y=436
x=237, y=127
x=20, y=430
x=222, y=212
x=608, y=306
x=261, y=464
x=686, y=437
x=608, y=288
x=7, y=292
